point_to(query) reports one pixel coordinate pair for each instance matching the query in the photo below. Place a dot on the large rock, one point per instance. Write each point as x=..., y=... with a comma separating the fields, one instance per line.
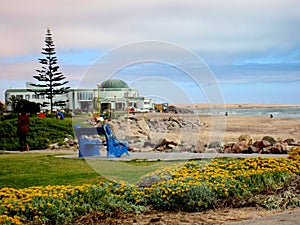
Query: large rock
x=199, y=147
x=144, y=127
x=259, y=145
x=167, y=143
x=215, y=144
x=228, y=147
x=211, y=150
x=265, y=144
x=270, y=139
x=245, y=137
x=236, y=148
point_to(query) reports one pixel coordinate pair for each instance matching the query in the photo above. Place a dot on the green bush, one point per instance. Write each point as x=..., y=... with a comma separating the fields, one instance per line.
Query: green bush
x=42, y=132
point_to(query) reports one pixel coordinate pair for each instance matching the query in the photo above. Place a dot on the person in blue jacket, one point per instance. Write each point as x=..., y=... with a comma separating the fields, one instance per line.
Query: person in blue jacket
x=59, y=115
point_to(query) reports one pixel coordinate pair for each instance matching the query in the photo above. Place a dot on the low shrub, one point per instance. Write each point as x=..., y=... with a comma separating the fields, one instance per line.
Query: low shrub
x=42, y=132
x=294, y=154
x=191, y=186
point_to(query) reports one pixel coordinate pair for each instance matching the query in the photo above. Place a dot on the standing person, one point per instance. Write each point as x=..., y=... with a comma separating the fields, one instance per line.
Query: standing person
x=41, y=115
x=22, y=130
x=59, y=115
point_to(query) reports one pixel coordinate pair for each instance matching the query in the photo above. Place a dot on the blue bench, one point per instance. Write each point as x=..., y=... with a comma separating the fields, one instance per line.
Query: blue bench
x=90, y=146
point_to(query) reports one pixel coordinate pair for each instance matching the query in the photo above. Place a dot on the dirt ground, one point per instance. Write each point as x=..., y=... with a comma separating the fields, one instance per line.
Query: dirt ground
x=244, y=216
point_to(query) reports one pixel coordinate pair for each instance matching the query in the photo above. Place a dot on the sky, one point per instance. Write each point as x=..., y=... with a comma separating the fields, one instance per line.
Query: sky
x=192, y=51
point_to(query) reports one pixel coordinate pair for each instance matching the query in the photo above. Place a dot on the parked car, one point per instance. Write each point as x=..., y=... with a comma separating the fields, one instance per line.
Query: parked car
x=131, y=110
x=142, y=110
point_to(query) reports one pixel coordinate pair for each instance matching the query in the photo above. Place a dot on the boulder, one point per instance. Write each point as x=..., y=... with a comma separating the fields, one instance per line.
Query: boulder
x=243, y=145
x=265, y=151
x=143, y=127
x=199, y=147
x=274, y=150
x=289, y=141
x=270, y=139
x=186, y=147
x=228, y=148
x=167, y=143
x=171, y=146
x=258, y=144
x=254, y=149
x=247, y=151
x=265, y=144
x=211, y=150
x=246, y=138
x=148, y=144
x=236, y=148
x=215, y=144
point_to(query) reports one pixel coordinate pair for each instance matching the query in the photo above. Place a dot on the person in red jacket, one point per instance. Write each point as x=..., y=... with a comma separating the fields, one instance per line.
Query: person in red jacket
x=41, y=115
x=22, y=130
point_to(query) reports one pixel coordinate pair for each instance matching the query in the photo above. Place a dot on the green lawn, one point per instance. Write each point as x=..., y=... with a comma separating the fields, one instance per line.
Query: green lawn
x=20, y=170
x=33, y=169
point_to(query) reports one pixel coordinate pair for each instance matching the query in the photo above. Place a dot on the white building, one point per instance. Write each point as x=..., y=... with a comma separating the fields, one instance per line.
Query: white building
x=109, y=95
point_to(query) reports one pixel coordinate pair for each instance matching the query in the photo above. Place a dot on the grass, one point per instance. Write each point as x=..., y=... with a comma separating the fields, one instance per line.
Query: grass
x=34, y=169
x=130, y=172
x=42, y=169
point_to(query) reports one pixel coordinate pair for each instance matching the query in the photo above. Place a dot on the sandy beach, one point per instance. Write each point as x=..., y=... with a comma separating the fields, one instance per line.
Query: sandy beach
x=255, y=126
x=236, y=105
x=229, y=128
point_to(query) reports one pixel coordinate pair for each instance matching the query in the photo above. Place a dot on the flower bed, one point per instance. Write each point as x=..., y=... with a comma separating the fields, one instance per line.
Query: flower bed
x=190, y=186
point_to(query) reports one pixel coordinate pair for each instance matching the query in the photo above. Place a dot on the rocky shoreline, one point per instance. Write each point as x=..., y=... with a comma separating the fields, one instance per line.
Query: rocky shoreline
x=188, y=132
x=185, y=133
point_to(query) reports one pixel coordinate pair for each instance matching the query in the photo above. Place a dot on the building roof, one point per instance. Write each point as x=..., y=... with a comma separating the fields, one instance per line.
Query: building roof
x=114, y=83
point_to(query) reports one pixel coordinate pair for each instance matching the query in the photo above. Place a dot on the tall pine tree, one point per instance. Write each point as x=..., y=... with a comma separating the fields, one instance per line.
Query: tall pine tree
x=51, y=82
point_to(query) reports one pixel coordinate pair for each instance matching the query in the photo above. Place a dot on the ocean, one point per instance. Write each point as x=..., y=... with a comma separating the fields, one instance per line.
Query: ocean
x=281, y=112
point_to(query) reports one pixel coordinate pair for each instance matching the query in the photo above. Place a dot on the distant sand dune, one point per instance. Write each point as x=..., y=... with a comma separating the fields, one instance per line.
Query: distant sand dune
x=205, y=106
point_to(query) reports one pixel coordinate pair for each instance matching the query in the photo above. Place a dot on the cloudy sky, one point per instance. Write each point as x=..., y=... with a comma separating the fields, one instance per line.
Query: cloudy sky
x=250, y=50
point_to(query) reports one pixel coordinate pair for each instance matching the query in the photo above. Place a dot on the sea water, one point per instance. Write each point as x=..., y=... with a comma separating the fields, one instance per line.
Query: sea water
x=280, y=112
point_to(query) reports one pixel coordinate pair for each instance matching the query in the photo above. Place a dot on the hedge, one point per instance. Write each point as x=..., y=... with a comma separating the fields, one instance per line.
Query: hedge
x=42, y=132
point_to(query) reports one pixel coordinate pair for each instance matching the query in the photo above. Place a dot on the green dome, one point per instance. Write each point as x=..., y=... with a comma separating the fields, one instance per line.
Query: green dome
x=114, y=84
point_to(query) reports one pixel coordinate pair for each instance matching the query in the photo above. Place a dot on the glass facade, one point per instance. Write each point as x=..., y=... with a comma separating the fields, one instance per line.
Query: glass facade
x=84, y=95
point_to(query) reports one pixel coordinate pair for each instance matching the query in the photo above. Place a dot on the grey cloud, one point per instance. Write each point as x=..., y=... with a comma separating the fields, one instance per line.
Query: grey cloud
x=213, y=29
x=205, y=25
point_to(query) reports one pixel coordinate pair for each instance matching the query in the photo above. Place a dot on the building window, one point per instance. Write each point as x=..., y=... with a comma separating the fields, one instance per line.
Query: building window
x=84, y=95
x=19, y=96
x=27, y=97
x=33, y=96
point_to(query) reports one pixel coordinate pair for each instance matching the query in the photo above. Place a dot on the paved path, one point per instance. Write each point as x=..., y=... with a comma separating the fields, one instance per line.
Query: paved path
x=152, y=156
x=285, y=218
x=169, y=156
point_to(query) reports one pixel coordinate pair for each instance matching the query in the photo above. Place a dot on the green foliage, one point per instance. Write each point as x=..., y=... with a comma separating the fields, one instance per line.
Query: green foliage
x=1, y=108
x=196, y=187
x=50, y=80
x=190, y=186
x=27, y=106
x=42, y=132
x=62, y=204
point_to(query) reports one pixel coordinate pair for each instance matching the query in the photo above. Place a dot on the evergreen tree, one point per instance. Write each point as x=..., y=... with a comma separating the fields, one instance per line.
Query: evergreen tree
x=27, y=106
x=2, y=108
x=51, y=82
